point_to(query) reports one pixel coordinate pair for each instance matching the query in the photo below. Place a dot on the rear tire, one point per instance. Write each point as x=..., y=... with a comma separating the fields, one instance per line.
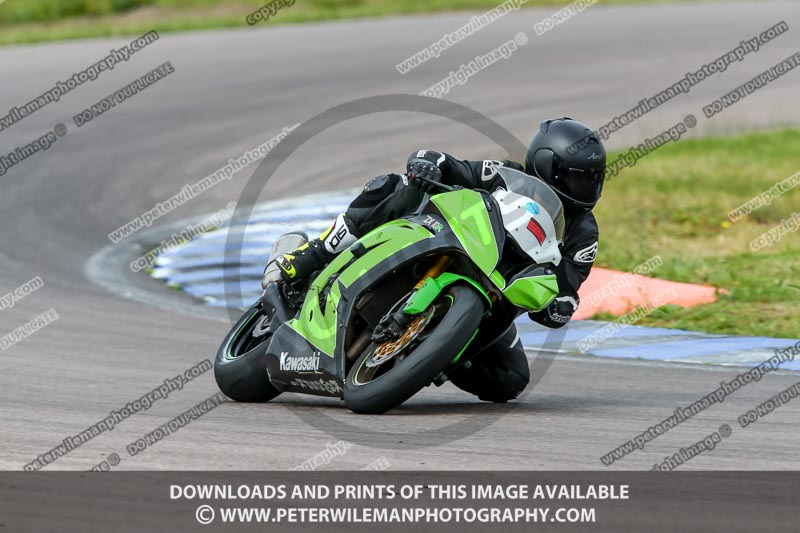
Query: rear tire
x=240, y=367
x=426, y=361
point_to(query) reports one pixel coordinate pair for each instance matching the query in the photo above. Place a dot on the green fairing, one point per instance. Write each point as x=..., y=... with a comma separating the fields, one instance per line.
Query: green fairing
x=533, y=293
x=430, y=290
x=497, y=278
x=318, y=326
x=466, y=214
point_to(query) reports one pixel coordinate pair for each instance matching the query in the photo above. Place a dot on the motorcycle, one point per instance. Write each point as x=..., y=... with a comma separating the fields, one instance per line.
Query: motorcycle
x=408, y=305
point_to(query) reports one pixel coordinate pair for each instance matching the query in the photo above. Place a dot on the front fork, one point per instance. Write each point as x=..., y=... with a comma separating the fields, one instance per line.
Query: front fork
x=392, y=325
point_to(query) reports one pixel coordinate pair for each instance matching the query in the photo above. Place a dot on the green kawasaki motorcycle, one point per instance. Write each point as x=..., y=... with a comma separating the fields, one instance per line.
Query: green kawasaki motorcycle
x=407, y=305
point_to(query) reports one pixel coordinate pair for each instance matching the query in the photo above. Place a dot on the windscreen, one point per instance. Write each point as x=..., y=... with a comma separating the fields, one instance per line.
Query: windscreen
x=538, y=191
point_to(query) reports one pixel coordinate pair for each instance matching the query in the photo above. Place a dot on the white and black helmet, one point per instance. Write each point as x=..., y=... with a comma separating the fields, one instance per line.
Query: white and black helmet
x=571, y=158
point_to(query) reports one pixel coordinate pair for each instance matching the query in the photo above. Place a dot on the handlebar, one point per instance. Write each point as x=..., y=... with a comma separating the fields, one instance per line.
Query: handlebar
x=451, y=188
x=448, y=188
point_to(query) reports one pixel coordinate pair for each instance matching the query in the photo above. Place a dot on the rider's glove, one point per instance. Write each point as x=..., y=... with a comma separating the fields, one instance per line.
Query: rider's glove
x=422, y=168
x=557, y=314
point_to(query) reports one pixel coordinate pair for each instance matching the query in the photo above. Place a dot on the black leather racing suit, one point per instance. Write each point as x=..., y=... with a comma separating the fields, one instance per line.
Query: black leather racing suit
x=502, y=372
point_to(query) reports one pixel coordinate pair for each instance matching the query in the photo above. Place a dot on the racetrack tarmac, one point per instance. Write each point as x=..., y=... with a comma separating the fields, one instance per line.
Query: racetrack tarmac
x=233, y=90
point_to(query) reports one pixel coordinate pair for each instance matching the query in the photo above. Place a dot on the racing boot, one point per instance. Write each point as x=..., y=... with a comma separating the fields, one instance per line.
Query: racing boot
x=284, y=243
x=299, y=264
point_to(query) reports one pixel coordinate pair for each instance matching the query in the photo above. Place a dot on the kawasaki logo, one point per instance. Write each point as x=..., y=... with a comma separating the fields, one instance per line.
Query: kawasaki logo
x=299, y=364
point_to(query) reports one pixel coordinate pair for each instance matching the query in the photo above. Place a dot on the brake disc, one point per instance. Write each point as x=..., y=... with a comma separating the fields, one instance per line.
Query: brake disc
x=389, y=349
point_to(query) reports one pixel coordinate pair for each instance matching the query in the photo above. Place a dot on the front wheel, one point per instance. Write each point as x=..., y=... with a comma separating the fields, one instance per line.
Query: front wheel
x=385, y=376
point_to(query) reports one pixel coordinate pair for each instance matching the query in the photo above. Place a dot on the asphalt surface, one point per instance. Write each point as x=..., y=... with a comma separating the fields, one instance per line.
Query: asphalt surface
x=231, y=91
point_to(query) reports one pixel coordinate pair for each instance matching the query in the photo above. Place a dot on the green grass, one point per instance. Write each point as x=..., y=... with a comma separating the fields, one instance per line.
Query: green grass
x=675, y=203
x=23, y=21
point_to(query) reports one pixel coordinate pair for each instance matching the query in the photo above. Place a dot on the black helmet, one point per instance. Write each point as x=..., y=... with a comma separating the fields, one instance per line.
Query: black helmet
x=571, y=158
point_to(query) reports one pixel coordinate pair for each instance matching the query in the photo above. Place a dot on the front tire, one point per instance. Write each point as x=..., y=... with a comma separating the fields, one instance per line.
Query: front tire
x=240, y=367
x=417, y=369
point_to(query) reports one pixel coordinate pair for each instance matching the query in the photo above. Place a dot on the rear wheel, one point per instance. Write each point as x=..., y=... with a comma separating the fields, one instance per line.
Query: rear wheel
x=386, y=375
x=240, y=367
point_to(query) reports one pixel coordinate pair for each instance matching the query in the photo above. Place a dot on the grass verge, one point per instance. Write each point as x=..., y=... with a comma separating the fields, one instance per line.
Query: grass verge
x=27, y=21
x=675, y=203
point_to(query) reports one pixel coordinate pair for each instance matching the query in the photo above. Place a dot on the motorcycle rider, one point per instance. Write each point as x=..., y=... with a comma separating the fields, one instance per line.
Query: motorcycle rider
x=501, y=372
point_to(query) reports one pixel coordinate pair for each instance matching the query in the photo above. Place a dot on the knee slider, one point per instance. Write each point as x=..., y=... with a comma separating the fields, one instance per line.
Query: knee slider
x=512, y=386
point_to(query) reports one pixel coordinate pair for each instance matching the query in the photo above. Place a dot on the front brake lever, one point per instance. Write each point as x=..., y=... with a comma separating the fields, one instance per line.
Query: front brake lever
x=440, y=185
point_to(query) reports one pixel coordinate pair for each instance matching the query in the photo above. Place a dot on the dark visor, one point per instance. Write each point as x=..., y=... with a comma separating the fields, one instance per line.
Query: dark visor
x=581, y=185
